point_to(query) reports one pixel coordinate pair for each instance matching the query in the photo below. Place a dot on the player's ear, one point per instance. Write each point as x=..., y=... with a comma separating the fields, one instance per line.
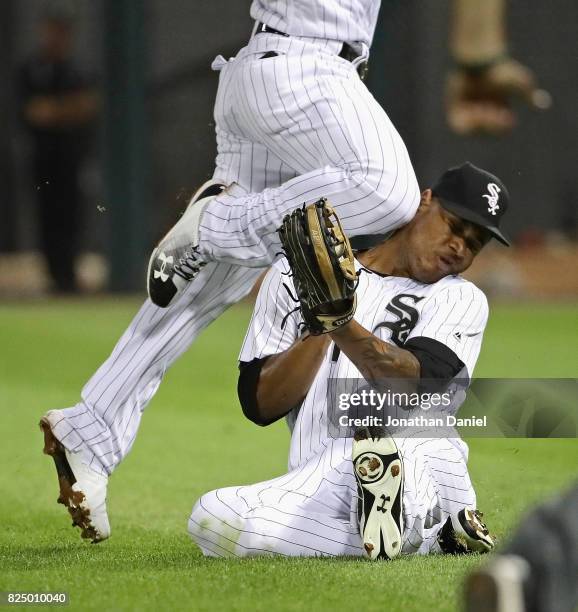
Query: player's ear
x=425, y=201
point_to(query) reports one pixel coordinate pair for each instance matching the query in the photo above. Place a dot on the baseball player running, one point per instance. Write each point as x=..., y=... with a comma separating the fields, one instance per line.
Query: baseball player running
x=294, y=122
x=294, y=97
x=416, y=318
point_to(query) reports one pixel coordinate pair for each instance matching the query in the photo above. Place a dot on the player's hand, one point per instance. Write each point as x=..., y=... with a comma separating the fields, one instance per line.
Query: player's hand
x=480, y=101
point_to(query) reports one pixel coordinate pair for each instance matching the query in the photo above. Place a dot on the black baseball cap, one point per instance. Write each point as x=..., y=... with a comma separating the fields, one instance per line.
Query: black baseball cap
x=475, y=195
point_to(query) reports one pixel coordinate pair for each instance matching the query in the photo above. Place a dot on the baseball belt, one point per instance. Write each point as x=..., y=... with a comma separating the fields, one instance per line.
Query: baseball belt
x=347, y=51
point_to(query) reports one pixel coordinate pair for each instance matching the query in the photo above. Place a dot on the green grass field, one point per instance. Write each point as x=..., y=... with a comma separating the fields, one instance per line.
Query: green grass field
x=194, y=438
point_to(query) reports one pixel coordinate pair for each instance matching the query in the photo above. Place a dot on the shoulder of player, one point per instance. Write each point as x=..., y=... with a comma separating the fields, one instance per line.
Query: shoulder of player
x=457, y=288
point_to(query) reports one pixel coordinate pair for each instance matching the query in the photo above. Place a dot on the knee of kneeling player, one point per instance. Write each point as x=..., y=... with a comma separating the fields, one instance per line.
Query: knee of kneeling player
x=393, y=200
x=214, y=530
x=398, y=212
x=204, y=523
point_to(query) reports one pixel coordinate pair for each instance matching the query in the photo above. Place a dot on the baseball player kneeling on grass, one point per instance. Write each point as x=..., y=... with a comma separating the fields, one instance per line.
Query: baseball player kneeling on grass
x=399, y=310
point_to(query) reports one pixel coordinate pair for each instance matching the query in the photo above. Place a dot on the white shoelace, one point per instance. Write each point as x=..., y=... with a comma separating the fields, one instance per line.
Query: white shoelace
x=190, y=264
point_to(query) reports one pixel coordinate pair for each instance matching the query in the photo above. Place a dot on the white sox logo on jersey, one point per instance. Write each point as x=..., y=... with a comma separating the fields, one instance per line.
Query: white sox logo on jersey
x=166, y=261
x=407, y=317
x=492, y=198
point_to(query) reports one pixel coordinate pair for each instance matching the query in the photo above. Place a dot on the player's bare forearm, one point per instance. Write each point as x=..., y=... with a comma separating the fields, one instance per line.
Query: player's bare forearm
x=374, y=358
x=478, y=30
x=481, y=86
x=286, y=378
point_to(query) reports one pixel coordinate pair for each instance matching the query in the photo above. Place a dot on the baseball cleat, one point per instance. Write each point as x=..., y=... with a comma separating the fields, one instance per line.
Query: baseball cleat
x=177, y=260
x=464, y=532
x=82, y=490
x=379, y=472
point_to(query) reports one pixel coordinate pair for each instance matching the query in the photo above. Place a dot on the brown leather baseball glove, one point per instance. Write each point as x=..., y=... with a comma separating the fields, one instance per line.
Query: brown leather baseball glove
x=322, y=263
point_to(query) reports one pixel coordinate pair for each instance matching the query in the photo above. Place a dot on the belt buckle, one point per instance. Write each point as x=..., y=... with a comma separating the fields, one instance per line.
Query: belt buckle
x=359, y=60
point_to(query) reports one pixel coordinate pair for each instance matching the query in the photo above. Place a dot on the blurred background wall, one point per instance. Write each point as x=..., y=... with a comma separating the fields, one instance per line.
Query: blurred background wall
x=171, y=44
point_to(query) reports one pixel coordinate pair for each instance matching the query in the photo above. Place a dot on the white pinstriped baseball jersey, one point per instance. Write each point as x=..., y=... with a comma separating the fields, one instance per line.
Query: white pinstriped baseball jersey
x=311, y=510
x=344, y=20
x=452, y=311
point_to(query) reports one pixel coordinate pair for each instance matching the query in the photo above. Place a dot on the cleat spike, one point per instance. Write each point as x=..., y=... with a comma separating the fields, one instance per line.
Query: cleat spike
x=374, y=464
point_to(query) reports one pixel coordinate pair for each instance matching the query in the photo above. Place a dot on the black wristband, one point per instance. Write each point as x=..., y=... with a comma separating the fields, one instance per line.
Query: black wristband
x=478, y=68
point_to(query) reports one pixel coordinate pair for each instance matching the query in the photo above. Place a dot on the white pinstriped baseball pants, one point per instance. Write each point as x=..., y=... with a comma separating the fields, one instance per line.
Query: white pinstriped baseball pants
x=308, y=108
x=311, y=511
x=290, y=129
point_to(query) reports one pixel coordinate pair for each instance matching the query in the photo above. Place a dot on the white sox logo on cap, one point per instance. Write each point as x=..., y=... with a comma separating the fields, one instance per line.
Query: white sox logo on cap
x=492, y=198
x=161, y=273
x=463, y=190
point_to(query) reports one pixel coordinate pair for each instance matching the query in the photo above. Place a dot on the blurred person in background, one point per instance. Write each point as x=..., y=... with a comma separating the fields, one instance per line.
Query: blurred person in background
x=537, y=570
x=485, y=80
x=58, y=106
